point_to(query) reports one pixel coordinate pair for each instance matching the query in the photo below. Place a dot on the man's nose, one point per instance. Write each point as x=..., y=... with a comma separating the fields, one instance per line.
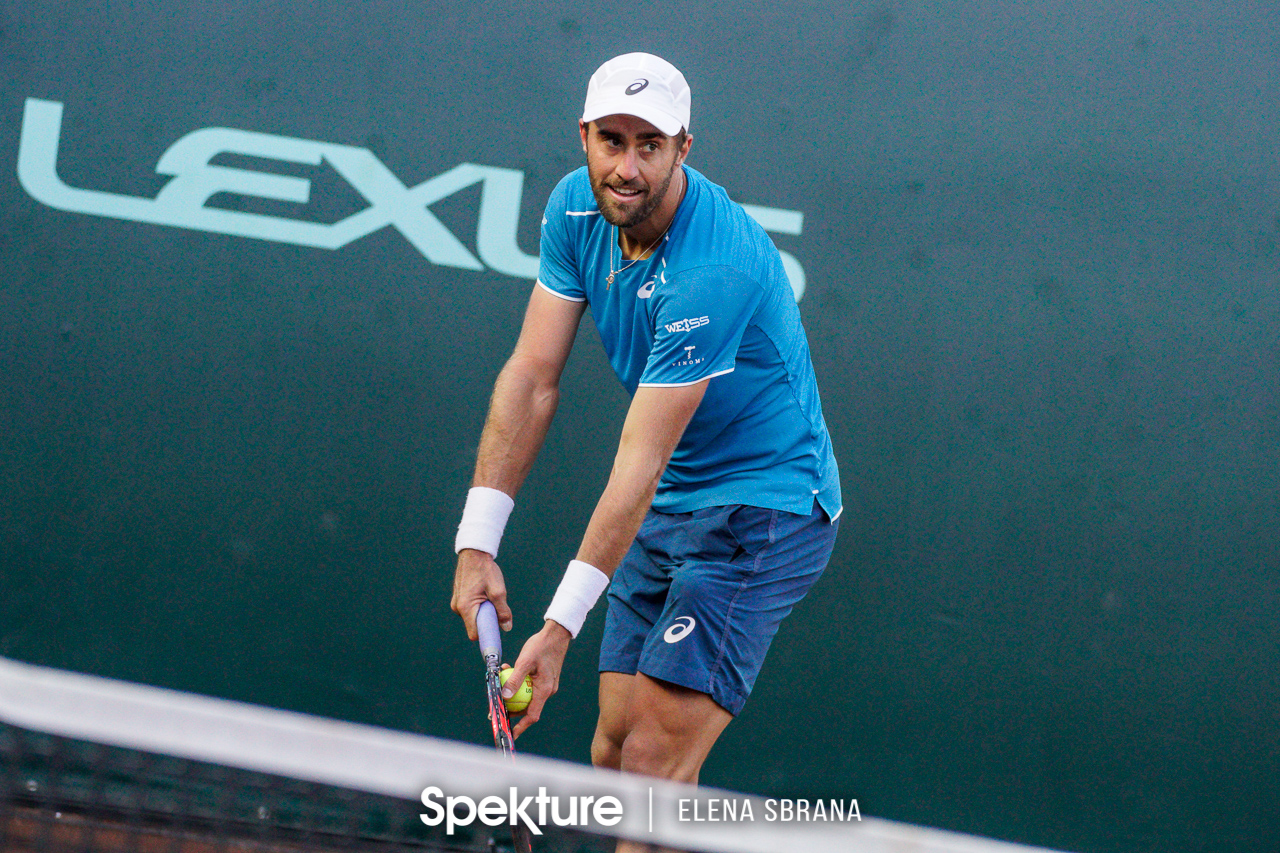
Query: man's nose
x=628, y=167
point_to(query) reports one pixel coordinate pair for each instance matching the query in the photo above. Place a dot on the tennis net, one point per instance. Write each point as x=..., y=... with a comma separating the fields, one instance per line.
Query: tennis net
x=93, y=764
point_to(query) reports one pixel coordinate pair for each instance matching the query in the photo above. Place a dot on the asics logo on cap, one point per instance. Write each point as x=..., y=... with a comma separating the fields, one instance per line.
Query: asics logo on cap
x=637, y=87
x=680, y=629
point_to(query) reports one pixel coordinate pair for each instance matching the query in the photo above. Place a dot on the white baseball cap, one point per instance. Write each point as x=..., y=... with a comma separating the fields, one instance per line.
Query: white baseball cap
x=640, y=85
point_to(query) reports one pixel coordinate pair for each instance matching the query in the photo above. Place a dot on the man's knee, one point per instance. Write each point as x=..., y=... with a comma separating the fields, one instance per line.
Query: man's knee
x=671, y=730
x=606, y=748
x=653, y=751
x=649, y=752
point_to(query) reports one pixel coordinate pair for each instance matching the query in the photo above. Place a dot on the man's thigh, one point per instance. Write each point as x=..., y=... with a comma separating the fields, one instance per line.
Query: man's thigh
x=700, y=596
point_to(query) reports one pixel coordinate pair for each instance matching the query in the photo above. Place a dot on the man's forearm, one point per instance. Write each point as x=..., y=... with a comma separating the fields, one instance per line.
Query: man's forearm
x=620, y=511
x=520, y=412
x=654, y=424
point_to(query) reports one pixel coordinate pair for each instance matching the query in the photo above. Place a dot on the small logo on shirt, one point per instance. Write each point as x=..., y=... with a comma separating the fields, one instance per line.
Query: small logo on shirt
x=688, y=325
x=679, y=630
x=637, y=87
x=646, y=289
x=689, y=360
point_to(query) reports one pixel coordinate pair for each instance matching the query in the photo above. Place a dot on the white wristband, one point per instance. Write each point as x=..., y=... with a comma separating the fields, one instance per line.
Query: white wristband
x=577, y=593
x=483, y=520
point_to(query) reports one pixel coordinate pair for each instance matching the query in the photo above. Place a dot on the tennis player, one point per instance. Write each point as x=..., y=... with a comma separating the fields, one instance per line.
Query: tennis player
x=720, y=511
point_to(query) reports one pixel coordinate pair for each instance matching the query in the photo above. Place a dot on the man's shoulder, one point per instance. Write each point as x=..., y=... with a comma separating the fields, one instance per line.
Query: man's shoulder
x=719, y=233
x=714, y=211
x=709, y=197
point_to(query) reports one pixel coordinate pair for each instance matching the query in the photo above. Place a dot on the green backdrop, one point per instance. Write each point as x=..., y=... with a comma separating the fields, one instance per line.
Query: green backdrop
x=1039, y=245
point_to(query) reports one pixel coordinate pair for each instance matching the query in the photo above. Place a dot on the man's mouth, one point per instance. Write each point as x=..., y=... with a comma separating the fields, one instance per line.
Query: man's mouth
x=626, y=193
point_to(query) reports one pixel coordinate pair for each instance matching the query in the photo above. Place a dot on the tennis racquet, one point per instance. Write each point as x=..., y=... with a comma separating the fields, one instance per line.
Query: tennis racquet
x=491, y=650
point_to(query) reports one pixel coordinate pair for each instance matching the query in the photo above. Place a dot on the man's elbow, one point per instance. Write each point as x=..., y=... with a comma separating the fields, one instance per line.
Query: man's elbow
x=640, y=460
x=538, y=380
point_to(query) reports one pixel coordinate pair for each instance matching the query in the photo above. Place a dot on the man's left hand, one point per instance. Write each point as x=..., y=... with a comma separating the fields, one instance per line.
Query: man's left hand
x=541, y=659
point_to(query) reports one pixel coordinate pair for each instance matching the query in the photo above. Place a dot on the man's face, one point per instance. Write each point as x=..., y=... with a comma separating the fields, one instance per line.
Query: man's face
x=631, y=164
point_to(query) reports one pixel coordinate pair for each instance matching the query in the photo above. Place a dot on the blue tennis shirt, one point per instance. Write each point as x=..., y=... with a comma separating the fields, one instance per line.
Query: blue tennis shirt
x=713, y=300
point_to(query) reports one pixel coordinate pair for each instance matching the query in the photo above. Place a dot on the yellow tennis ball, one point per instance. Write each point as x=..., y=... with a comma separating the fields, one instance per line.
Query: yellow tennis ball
x=517, y=703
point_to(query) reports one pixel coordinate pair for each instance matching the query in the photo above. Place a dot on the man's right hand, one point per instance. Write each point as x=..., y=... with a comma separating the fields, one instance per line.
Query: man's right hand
x=476, y=580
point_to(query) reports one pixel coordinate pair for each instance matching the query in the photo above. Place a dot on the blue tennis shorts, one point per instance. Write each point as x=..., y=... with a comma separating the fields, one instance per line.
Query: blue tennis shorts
x=699, y=595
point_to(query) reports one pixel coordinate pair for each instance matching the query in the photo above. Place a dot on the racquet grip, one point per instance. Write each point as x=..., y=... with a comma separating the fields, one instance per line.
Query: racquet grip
x=487, y=628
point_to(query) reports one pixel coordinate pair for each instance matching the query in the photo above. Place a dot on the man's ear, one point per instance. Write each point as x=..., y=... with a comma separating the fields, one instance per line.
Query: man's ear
x=688, y=143
x=582, y=132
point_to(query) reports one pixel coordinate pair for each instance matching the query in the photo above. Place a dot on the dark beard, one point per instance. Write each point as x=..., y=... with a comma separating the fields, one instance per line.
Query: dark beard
x=640, y=214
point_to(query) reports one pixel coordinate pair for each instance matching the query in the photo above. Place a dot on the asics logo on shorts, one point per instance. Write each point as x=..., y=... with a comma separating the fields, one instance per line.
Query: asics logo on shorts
x=680, y=629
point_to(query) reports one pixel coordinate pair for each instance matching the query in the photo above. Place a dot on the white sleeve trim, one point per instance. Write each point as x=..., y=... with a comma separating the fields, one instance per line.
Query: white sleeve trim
x=683, y=384
x=557, y=293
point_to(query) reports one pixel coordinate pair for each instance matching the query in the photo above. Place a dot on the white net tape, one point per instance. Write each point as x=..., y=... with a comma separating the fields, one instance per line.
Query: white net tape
x=402, y=765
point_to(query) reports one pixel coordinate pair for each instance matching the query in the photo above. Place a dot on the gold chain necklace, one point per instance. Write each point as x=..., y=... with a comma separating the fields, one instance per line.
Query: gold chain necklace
x=608, y=282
